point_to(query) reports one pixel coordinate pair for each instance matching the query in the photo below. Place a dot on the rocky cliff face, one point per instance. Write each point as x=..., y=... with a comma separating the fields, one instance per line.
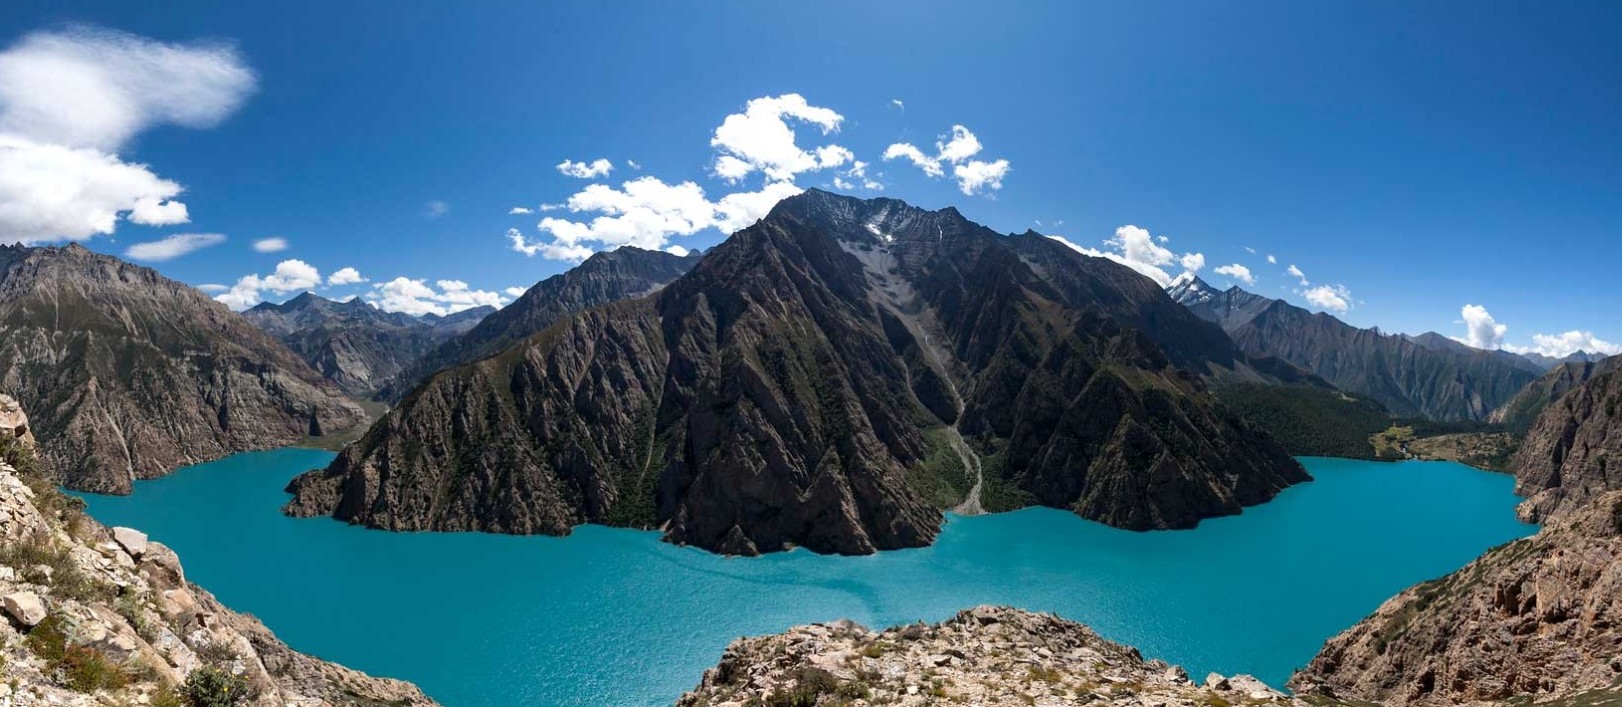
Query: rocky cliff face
x=1534, y=618
x=1573, y=451
x=355, y=345
x=103, y=616
x=605, y=277
x=129, y=375
x=983, y=656
x=1428, y=376
x=830, y=377
x=1522, y=410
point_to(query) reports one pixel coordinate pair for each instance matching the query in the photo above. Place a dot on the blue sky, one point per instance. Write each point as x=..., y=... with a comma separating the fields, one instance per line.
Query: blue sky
x=1413, y=157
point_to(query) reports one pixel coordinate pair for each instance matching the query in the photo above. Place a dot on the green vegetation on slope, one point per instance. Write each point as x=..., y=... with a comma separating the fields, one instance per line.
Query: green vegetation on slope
x=1310, y=421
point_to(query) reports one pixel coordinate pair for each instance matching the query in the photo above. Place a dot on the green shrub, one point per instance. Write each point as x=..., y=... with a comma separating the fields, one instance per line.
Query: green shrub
x=213, y=687
x=75, y=667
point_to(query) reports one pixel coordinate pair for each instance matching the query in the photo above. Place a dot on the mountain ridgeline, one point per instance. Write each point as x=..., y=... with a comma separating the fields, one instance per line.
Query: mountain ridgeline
x=1426, y=376
x=605, y=277
x=354, y=344
x=831, y=377
x=128, y=374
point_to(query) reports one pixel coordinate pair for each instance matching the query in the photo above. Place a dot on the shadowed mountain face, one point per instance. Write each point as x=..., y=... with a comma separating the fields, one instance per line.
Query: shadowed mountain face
x=605, y=277
x=353, y=344
x=1573, y=451
x=1522, y=410
x=831, y=378
x=128, y=374
x=1427, y=376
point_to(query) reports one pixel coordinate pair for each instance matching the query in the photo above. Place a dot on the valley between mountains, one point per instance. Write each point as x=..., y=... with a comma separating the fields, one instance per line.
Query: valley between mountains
x=837, y=378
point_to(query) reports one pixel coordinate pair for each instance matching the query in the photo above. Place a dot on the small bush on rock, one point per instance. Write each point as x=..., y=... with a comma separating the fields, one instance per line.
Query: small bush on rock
x=213, y=687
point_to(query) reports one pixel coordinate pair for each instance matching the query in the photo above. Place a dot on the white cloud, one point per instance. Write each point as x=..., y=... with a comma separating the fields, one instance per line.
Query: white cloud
x=633, y=165
x=551, y=207
x=70, y=99
x=345, y=276
x=973, y=176
x=515, y=292
x=582, y=170
x=516, y=210
x=270, y=245
x=417, y=297
x=173, y=246
x=1330, y=298
x=760, y=138
x=1481, y=330
x=899, y=104
x=1568, y=343
x=435, y=208
x=1271, y=260
x=289, y=276
x=1136, y=248
x=677, y=251
x=645, y=212
x=1237, y=272
x=212, y=288
x=1296, y=273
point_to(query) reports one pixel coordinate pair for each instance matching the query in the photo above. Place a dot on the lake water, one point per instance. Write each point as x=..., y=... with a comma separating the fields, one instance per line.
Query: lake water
x=616, y=617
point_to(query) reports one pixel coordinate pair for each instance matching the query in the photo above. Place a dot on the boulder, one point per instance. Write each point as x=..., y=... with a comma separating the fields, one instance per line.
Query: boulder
x=25, y=607
x=134, y=541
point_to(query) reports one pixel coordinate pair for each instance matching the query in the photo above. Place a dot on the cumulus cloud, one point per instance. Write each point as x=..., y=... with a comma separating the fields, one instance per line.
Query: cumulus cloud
x=270, y=245
x=1136, y=248
x=761, y=139
x=173, y=246
x=69, y=100
x=1330, y=298
x=1271, y=260
x=583, y=170
x=517, y=210
x=289, y=276
x=515, y=292
x=899, y=104
x=1481, y=329
x=973, y=176
x=417, y=297
x=1237, y=272
x=345, y=276
x=1568, y=343
x=1295, y=272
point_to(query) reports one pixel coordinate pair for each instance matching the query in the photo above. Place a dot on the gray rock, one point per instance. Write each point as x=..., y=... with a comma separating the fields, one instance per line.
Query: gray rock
x=132, y=540
x=25, y=607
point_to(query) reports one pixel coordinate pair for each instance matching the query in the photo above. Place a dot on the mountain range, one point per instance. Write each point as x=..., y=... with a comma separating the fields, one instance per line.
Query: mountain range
x=1427, y=376
x=831, y=377
x=128, y=374
x=354, y=344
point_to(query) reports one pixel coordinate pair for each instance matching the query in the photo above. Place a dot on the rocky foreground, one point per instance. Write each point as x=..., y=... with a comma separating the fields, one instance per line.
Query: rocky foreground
x=91, y=615
x=983, y=656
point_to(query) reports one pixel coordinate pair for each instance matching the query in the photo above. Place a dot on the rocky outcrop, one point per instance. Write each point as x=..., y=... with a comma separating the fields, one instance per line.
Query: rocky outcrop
x=1423, y=376
x=609, y=276
x=989, y=656
x=354, y=344
x=99, y=616
x=1573, y=452
x=1532, y=619
x=829, y=378
x=128, y=374
x=1522, y=410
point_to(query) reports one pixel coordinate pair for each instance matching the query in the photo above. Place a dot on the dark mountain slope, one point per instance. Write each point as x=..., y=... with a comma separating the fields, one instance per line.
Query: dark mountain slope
x=605, y=277
x=354, y=344
x=1409, y=378
x=1573, y=451
x=1519, y=413
x=129, y=375
x=803, y=384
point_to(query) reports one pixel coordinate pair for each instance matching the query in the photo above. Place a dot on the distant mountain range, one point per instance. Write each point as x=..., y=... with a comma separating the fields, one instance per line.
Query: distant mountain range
x=1418, y=376
x=354, y=344
x=128, y=374
x=831, y=377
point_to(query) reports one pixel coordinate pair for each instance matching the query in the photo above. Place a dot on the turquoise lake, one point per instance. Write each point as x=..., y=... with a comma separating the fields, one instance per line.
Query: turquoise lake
x=616, y=617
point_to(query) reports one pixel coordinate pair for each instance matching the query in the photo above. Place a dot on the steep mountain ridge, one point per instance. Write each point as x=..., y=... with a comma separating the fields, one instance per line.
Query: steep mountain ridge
x=1523, y=409
x=1442, y=381
x=1573, y=451
x=806, y=381
x=604, y=277
x=128, y=374
x=354, y=344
